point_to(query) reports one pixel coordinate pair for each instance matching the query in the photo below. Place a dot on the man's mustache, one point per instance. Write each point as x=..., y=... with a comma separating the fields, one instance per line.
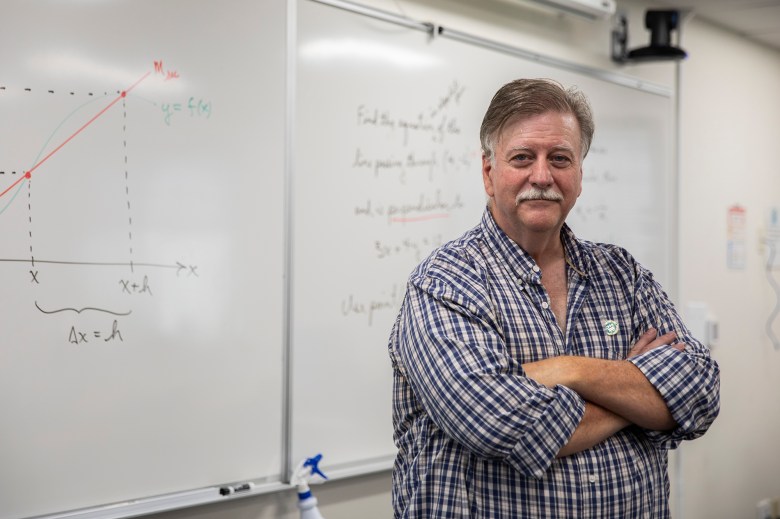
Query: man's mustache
x=538, y=194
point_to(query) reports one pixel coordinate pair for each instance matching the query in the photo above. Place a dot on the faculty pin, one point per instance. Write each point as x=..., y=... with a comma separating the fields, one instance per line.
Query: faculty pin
x=610, y=327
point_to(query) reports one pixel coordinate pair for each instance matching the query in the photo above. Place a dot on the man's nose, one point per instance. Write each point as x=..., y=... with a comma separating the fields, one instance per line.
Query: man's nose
x=541, y=175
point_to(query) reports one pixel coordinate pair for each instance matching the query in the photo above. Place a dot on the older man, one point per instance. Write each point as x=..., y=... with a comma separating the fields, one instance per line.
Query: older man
x=536, y=374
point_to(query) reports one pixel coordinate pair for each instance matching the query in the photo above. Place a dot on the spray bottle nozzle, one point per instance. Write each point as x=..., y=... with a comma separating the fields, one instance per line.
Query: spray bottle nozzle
x=313, y=465
x=305, y=470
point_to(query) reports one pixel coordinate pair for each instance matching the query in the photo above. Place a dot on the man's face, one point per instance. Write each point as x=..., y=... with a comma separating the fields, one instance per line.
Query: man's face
x=535, y=157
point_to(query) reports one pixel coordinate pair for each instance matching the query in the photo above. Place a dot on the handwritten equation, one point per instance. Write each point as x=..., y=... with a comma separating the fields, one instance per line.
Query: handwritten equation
x=412, y=162
x=422, y=207
x=388, y=301
x=129, y=286
x=195, y=107
x=437, y=122
x=416, y=247
x=81, y=336
x=406, y=166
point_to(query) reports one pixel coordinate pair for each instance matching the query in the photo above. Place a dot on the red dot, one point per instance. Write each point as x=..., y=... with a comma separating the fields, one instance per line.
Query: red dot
x=124, y=94
x=27, y=174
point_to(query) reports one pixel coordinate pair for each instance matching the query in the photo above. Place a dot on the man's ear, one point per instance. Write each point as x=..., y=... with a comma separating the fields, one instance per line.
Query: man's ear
x=487, y=175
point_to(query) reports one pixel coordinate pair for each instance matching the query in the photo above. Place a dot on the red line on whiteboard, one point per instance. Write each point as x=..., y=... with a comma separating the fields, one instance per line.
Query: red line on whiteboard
x=28, y=174
x=400, y=219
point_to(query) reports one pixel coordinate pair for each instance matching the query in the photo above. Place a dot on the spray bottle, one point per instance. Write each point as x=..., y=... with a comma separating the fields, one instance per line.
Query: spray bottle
x=307, y=503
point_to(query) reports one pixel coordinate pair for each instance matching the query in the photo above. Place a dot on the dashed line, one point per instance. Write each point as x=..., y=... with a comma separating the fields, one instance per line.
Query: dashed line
x=30, y=90
x=127, y=185
x=29, y=219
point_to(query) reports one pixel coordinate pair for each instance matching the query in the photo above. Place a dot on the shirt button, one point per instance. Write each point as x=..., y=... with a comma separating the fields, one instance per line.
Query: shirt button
x=592, y=478
x=535, y=268
x=545, y=305
x=520, y=284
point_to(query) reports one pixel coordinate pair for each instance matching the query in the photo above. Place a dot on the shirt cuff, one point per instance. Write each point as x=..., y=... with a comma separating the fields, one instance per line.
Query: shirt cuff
x=669, y=371
x=665, y=368
x=533, y=455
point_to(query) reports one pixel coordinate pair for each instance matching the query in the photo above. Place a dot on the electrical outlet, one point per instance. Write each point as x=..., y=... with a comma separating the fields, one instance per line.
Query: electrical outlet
x=765, y=509
x=701, y=323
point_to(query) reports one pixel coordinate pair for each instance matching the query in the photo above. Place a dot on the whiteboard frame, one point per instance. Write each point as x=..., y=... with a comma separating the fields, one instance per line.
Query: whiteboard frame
x=163, y=503
x=605, y=75
x=289, y=165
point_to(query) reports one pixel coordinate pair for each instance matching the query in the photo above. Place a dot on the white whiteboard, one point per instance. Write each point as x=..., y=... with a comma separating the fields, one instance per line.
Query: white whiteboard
x=386, y=167
x=145, y=350
x=142, y=261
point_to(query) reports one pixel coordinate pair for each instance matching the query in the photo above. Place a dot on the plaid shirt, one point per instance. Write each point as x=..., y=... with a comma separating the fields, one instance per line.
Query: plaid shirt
x=477, y=438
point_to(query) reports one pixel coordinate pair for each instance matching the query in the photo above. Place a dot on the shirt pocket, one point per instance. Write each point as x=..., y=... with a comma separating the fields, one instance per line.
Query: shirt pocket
x=604, y=325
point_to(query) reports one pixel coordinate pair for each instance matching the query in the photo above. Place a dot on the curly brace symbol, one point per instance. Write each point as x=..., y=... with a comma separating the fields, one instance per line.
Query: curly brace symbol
x=81, y=310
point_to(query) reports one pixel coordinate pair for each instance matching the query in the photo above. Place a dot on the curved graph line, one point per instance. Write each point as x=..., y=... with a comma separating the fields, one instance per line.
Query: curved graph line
x=62, y=123
x=82, y=310
x=13, y=197
x=45, y=144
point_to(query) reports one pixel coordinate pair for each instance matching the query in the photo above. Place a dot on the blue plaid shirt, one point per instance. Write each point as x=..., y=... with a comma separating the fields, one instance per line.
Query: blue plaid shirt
x=477, y=438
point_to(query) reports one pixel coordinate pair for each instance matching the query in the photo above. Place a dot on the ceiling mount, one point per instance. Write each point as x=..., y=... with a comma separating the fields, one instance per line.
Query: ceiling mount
x=661, y=25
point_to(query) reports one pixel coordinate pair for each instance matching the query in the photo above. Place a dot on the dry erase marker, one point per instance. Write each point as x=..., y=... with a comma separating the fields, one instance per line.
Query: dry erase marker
x=226, y=491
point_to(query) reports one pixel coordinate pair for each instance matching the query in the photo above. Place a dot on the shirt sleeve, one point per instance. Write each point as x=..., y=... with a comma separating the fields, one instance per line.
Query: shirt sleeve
x=452, y=352
x=688, y=381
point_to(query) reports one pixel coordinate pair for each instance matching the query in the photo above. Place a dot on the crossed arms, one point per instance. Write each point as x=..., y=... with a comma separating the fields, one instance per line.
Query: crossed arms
x=617, y=393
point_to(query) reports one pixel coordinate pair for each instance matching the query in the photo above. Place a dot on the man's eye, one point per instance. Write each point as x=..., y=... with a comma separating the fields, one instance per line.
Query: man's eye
x=521, y=157
x=560, y=160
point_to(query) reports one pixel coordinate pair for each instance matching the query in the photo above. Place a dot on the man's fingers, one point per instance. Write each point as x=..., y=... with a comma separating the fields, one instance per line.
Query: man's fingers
x=650, y=340
x=646, y=338
x=664, y=339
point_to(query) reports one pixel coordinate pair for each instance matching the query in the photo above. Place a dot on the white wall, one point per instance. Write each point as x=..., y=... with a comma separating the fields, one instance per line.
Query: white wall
x=730, y=132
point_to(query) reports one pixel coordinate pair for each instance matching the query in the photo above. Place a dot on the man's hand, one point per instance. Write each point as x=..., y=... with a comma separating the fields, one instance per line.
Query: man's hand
x=650, y=340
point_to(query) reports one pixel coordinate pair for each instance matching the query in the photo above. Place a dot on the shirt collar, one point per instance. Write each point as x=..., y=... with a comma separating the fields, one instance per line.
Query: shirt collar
x=520, y=264
x=576, y=257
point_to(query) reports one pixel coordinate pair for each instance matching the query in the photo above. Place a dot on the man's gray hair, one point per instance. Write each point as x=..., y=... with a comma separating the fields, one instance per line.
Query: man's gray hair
x=530, y=97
